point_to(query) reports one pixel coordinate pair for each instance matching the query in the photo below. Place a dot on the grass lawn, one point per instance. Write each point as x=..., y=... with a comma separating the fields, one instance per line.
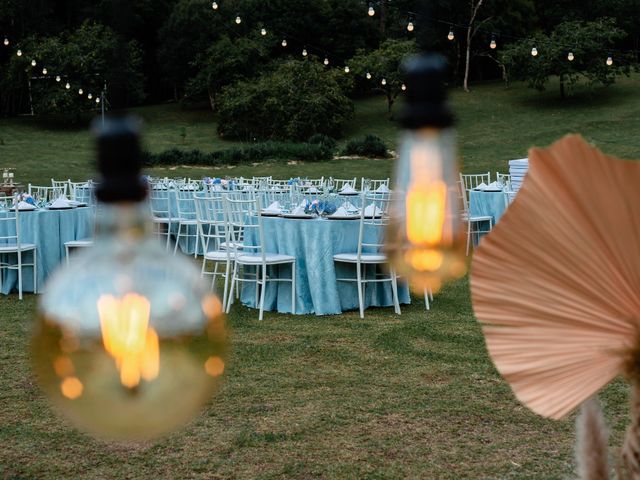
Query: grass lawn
x=410, y=396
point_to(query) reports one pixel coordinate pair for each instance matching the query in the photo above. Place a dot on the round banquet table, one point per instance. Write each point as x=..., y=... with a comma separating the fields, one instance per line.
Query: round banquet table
x=48, y=230
x=314, y=243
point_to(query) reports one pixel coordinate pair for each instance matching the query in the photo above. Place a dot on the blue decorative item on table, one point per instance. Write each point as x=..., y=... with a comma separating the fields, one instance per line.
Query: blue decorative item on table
x=320, y=205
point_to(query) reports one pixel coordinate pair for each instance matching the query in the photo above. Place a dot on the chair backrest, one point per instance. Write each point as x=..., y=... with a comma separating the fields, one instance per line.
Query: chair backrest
x=210, y=214
x=46, y=194
x=243, y=217
x=504, y=179
x=82, y=192
x=10, y=225
x=509, y=196
x=61, y=184
x=463, y=201
x=160, y=203
x=185, y=203
x=471, y=181
x=373, y=184
x=374, y=216
x=339, y=183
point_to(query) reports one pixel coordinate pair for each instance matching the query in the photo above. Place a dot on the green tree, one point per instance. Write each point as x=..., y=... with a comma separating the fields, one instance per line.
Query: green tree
x=224, y=63
x=295, y=101
x=86, y=58
x=384, y=66
x=590, y=44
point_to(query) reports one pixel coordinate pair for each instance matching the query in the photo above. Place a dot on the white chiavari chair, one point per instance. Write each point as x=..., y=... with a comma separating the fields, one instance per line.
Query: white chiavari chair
x=244, y=216
x=474, y=223
x=373, y=218
x=43, y=193
x=11, y=246
x=186, y=214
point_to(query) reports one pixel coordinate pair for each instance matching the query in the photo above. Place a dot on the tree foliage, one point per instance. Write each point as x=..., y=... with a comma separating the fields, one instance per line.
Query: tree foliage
x=383, y=64
x=590, y=43
x=295, y=101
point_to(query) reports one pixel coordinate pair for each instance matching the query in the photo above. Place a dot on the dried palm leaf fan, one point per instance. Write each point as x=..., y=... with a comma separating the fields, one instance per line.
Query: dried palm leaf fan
x=556, y=285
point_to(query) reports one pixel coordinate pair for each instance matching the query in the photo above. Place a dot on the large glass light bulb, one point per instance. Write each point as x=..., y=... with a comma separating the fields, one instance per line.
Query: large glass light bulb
x=425, y=238
x=129, y=342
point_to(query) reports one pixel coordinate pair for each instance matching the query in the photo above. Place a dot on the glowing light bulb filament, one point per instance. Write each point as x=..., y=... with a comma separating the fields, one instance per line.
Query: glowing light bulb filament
x=127, y=337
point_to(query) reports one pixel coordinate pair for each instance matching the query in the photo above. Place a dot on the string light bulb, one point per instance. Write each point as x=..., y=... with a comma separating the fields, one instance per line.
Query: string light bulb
x=326, y=60
x=534, y=52
x=304, y=52
x=493, y=43
x=609, y=60
x=90, y=96
x=451, y=35
x=368, y=76
x=346, y=69
x=129, y=343
x=97, y=99
x=403, y=87
x=284, y=42
x=19, y=53
x=263, y=32
x=214, y=5
x=67, y=86
x=410, y=26
x=384, y=81
x=58, y=78
x=238, y=20
x=425, y=239
x=570, y=56
x=33, y=63
x=80, y=91
x=6, y=41
x=371, y=11
x=44, y=71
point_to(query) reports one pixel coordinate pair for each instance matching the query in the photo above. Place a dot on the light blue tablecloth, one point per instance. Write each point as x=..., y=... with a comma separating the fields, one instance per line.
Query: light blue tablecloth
x=487, y=203
x=48, y=230
x=313, y=243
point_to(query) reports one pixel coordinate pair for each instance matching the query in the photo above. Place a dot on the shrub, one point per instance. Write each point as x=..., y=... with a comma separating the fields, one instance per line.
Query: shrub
x=295, y=101
x=369, y=146
x=321, y=139
x=281, y=151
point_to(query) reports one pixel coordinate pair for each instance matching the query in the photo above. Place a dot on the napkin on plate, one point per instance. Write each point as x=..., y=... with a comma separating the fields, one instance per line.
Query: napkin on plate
x=60, y=202
x=347, y=188
x=372, y=211
x=383, y=189
x=25, y=206
x=482, y=186
x=350, y=208
x=274, y=208
x=341, y=212
x=299, y=210
x=493, y=186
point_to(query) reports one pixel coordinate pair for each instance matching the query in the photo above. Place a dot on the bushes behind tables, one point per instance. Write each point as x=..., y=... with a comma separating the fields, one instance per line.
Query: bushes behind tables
x=278, y=151
x=369, y=146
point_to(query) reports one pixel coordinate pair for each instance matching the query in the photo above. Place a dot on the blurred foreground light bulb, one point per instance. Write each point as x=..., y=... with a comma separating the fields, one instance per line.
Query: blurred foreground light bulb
x=129, y=343
x=609, y=60
x=570, y=57
x=425, y=239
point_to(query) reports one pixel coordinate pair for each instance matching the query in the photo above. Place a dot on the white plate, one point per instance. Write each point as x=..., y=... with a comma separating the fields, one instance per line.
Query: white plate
x=343, y=217
x=270, y=214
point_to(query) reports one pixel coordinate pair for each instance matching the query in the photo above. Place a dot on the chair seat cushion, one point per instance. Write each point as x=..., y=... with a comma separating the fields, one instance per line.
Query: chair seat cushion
x=79, y=243
x=364, y=258
x=219, y=256
x=272, y=258
x=14, y=248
